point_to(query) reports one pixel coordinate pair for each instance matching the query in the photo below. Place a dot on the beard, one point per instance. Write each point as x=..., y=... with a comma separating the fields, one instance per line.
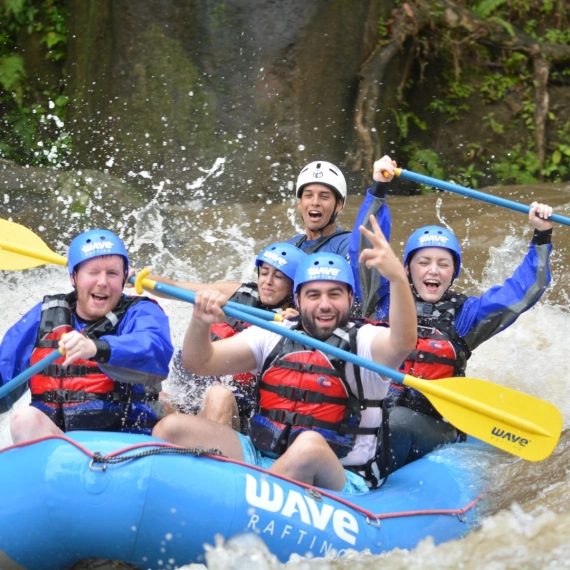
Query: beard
x=320, y=332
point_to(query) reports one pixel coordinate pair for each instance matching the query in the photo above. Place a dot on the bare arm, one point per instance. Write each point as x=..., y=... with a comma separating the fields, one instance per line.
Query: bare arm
x=391, y=346
x=204, y=357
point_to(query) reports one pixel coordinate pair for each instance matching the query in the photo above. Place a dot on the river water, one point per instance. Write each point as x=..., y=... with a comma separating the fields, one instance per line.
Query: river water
x=528, y=508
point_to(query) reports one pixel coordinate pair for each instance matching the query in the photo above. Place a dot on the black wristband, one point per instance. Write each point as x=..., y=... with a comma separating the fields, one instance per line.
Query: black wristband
x=542, y=237
x=379, y=189
x=103, y=353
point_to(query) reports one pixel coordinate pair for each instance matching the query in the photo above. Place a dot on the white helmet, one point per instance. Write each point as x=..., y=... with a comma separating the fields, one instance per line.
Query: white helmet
x=325, y=173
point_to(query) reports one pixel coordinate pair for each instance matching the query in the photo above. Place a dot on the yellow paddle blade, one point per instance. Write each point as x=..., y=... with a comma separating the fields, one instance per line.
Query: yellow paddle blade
x=20, y=248
x=510, y=420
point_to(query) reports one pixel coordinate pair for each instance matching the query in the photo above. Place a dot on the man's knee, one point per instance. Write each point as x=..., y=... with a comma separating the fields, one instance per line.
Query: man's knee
x=29, y=423
x=168, y=426
x=219, y=395
x=310, y=444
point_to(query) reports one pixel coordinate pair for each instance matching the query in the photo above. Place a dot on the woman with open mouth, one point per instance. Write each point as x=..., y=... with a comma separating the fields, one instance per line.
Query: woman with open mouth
x=452, y=325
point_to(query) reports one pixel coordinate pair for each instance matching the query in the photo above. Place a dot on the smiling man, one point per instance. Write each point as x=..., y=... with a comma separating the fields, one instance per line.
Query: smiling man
x=321, y=189
x=317, y=419
x=117, y=350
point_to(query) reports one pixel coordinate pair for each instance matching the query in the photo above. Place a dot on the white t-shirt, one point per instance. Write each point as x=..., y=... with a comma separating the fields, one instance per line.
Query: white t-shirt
x=262, y=342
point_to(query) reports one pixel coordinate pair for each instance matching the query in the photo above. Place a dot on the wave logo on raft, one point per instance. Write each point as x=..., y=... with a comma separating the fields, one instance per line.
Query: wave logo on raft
x=275, y=258
x=502, y=434
x=326, y=272
x=318, y=174
x=324, y=382
x=96, y=245
x=433, y=239
x=299, y=508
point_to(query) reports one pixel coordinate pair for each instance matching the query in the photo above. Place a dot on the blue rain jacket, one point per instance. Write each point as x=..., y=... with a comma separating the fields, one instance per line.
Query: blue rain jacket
x=140, y=354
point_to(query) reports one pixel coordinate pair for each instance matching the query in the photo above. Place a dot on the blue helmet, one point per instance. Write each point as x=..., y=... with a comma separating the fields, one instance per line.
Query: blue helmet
x=323, y=267
x=95, y=243
x=283, y=256
x=434, y=236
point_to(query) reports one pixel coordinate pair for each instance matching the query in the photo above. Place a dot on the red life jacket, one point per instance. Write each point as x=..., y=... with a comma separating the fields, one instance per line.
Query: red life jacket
x=440, y=352
x=59, y=391
x=301, y=388
x=434, y=357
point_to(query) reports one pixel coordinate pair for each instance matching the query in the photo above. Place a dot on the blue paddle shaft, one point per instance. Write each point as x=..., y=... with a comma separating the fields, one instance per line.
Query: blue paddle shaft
x=317, y=344
x=420, y=178
x=190, y=296
x=28, y=373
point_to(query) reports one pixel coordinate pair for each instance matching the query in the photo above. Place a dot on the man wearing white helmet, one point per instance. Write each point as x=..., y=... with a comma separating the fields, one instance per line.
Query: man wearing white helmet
x=321, y=189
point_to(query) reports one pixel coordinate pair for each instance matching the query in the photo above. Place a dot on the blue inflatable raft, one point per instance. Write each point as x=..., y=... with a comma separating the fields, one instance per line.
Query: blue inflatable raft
x=138, y=500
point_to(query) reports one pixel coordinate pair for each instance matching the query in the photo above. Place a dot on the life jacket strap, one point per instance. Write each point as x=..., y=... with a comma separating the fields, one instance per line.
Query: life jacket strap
x=430, y=358
x=59, y=371
x=309, y=368
x=375, y=471
x=302, y=420
x=74, y=396
x=299, y=395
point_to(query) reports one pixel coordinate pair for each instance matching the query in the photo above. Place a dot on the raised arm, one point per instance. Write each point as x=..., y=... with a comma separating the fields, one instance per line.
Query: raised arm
x=371, y=289
x=204, y=357
x=500, y=306
x=391, y=346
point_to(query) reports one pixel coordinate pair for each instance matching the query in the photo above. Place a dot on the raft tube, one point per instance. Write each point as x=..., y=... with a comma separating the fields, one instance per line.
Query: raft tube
x=139, y=500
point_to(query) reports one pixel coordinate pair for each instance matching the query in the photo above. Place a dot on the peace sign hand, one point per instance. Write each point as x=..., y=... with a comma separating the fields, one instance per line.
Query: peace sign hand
x=380, y=255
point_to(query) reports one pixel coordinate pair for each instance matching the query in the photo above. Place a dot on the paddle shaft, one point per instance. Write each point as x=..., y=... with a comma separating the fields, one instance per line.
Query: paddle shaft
x=316, y=343
x=420, y=178
x=28, y=373
x=190, y=297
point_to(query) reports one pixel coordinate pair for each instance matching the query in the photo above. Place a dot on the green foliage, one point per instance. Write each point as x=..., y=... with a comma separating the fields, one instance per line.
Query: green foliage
x=382, y=29
x=449, y=105
x=403, y=119
x=495, y=86
x=12, y=74
x=496, y=127
x=469, y=175
x=32, y=122
x=485, y=8
x=469, y=74
x=219, y=14
x=517, y=167
x=425, y=161
x=557, y=36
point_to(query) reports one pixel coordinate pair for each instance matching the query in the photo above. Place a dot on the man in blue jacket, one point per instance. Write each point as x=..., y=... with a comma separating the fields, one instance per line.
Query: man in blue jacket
x=117, y=350
x=321, y=189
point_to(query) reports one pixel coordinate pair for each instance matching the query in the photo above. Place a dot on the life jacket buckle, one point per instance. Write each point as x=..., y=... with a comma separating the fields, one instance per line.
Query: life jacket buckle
x=59, y=371
x=291, y=393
